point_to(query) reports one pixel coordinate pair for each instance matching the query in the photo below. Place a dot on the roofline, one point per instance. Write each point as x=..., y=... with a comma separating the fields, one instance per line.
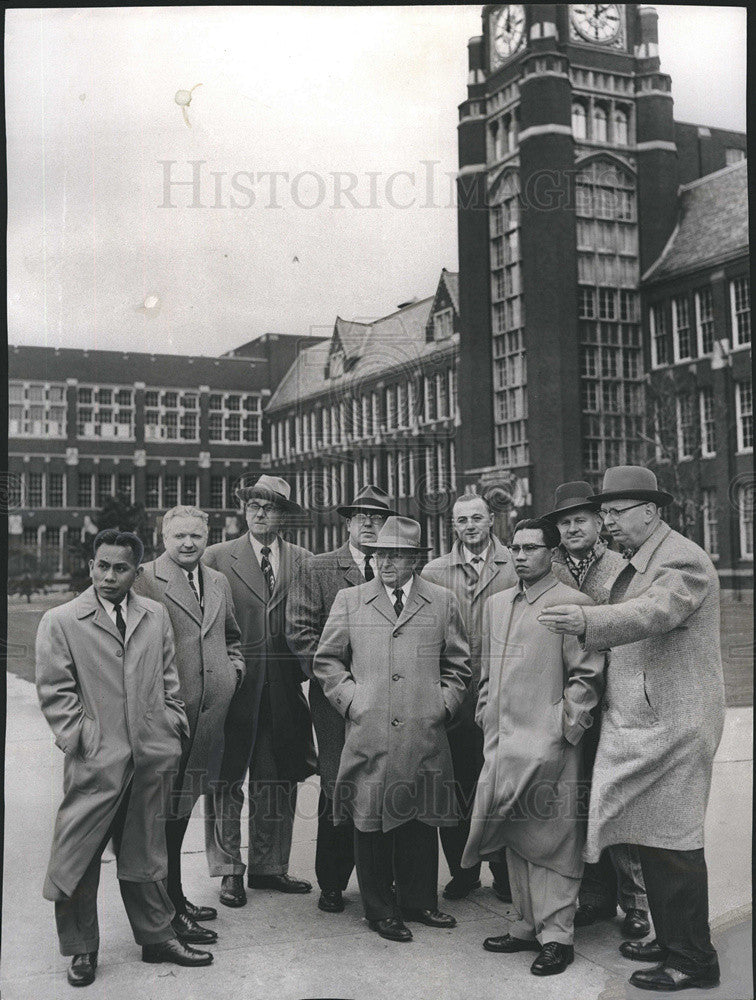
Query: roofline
x=718, y=128
x=665, y=251
x=702, y=266
x=717, y=173
x=135, y=354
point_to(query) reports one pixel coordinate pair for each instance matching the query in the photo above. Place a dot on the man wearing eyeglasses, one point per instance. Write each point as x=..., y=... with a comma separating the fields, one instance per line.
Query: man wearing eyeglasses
x=310, y=602
x=477, y=567
x=268, y=727
x=662, y=722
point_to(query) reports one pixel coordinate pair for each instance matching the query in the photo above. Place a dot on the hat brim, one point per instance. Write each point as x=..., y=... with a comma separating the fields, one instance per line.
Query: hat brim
x=351, y=509
x=589, y=504
x=408, y=548
x=288, y=506
x=659, y=497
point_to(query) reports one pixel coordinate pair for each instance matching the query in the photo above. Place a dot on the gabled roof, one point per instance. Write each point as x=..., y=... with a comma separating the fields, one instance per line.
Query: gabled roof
x=712, y=224
x=451, y=280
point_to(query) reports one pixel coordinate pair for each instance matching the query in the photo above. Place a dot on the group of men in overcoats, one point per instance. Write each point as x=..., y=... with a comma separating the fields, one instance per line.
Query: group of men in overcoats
x=489, y=695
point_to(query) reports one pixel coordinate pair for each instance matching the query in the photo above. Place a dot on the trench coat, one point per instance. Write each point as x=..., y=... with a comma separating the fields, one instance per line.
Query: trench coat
x=209, y=663
x=396, y=680
x=310, y=601
x=271, y=666
x=537, y=690
x=116, y=713
x=663, y=711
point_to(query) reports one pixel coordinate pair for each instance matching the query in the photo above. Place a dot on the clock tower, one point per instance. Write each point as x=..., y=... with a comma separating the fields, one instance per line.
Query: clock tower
x=566, y=192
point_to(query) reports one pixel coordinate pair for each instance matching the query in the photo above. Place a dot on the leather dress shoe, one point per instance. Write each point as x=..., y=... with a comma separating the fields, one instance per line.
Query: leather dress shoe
x=331, y=901
x=175, y=951
x=508, y=944
x=431, y=918
x=200, y=913
x=232, y=891
x=281, y=883
x=554, y=958
x=643, y=951
x=391, y=928
x=635, y=924
x=81, y=972
x=190, y=932
x=459, y=887
x=587, y=914
x=668, y=980
x=502, y=891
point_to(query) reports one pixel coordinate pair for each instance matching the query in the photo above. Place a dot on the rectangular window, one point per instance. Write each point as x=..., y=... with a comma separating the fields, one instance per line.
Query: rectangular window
x=376, y=412
x=170, y=491
x=103, y=488
x=84, y=489
x=52, y=538
x=681, y=339
x=607, y=303
x=591, y=456
x=125, y=486
x=38, y=409
x=152, y=491
x=590, y=396
x=586, y=302
x=710, y=522
x=215, y=534
x=442, y=395
x=218, y=492
x=658, y=324
x=390, y=404
x=56, y=489
x=686, y=430
x=105, y=412
x=704, y=321
x=443, y=323
x=430, y=399
x=189, y=490
x=30, y=537
x=35, y=489
x=744, y=415
x=401, y=475
x=706, y=409
x=745, y=519
x=740, y=306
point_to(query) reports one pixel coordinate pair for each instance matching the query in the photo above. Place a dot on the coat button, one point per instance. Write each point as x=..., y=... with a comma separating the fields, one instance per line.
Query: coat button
x=119, y=652
x=394, y=722
x=395, y=677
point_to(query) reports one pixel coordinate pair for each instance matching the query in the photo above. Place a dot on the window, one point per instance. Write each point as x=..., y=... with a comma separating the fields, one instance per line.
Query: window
x=619, y=121
x=390, y=404
x=586, y=302
x=430, y=398
x=706, y=408
x=56, y=489
x=607, y=303
x=709, y=522
x=103, y=488
x=52, y=538
x=215, y=534
x=35, y=489
x=367, y=413
x=443, y=324
x=578, y=121
x=189, y=490
x=170, y=490
x=704, y=321
x=218, y=492
x=681, y=341
x=744, y=415
x=745, y=519
x=30, y=537
x=236, y=417
x=37, y=409
x=686, y=431
x=733, y=155
x=658, y=324
x=105, y=412
x=591, y=456
x=125, y=486
x=442, y=395
x=740, y=304
x=152, y=491
x=401, y=404
x=374, y=402
x=590, y=396
x=85, y=489
x=599, y=124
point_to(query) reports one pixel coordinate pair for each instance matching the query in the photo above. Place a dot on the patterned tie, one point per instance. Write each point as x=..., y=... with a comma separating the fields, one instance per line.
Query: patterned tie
x=267, y=568
x=120, y=623
x=398, y=602
x=369, y=574
x=190, y=574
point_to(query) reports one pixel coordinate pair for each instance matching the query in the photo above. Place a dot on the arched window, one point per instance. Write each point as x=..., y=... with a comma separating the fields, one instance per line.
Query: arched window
x=620, y=127
x=509, y=145
x=599, y=124
x=578, y=121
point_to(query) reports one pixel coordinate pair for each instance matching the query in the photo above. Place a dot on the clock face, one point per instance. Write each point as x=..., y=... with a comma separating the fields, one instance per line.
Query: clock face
x=596, y=22
x=508, y=28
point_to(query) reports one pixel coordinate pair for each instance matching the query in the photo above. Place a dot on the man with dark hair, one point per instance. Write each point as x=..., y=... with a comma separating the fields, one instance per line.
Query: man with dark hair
x=536, y=695
x=477, y=567
x=108, y=687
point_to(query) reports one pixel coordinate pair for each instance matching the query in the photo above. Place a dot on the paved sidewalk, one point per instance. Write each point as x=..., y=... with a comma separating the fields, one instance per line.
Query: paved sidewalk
x=284, y=947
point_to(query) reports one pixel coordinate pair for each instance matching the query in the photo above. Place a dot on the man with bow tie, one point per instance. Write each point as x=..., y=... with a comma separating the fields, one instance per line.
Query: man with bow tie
x=268, y=726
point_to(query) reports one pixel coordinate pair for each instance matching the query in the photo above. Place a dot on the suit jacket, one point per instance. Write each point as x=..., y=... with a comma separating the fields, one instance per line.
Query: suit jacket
x=395, y=679
x=496, y=575
x=209, y=662
x=273, y=683
x=115, y=709
x=310, y=601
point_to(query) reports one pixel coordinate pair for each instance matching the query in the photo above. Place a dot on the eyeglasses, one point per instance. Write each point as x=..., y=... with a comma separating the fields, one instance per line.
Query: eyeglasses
x=363, y=516
x=527, y=549
x=614, y=512
x=261, y=508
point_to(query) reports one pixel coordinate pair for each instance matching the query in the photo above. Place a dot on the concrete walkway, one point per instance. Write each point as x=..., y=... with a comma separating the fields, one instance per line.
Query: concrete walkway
x=284, y=947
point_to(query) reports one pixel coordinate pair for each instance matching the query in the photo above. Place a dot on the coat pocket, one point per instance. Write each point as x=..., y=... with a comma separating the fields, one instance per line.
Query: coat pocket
x=649, y=699
x=90, y=737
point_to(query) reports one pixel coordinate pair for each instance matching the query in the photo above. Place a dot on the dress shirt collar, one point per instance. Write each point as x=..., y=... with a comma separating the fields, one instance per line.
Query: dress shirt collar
x=110, y=610
x=537, y=589
x=275, y=552
x=359, y=558
x=469, y=556
x=405, y=591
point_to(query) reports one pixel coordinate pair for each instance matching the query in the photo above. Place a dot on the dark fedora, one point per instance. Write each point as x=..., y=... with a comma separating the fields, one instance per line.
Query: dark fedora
x=269, y=488
x=572, y=496
x=371, y=499
x=398, y=533
x=632, y=482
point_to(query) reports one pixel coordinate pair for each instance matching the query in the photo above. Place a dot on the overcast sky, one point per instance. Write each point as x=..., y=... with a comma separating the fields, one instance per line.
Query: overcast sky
x=103, y=253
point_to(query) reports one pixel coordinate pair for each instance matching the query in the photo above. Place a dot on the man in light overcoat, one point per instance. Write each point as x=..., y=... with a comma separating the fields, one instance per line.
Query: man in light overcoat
x=310, y=601
x=662, y=722
x=394, y=661
x=210, y=668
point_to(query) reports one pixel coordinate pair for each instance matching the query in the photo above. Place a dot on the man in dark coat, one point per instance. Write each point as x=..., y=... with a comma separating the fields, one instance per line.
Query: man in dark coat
x=108, y=687
x=310, y=601
x=210, y=668
x=268, y=727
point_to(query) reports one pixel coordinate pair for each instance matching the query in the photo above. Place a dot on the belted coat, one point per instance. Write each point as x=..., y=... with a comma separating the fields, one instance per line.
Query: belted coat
x=209, y=663
x=395, y=679
x=115, y=709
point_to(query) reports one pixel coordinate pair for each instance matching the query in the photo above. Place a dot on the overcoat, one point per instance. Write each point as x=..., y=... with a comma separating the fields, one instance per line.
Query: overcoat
x=600, y=576
x=664, y=708
x=497, y=574
x=209, y=663
x=395, y=680
x=271, y=666
x=537, y=690
x=310, y=601
x=114, y=707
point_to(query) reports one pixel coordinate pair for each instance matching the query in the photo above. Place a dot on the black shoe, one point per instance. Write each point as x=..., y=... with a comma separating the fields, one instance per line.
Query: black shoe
x=331, y=901
x=460, y=886
x=502, y=891
x=281, y=883
x=81, y=972
x=587, y=914
x=670, y=980
x=635, y=924
x=176, y=952
x=190, y=932
x=200, y=913
x=232, y=890
x=508, y=944
x=431, y=918
x=643, y=951
x=554, y=958
x=391, y=928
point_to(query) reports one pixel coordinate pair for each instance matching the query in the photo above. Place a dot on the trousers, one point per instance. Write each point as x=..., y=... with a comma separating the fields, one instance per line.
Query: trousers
x=406, y=856
x=334, y=848
x=544, y=901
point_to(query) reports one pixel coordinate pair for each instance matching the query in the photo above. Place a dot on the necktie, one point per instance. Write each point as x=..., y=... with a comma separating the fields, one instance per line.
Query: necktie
x=120, y=623
x=398, y=601
x=267, y=568
x=475, y=564
x=369, y=574
x=190, y=574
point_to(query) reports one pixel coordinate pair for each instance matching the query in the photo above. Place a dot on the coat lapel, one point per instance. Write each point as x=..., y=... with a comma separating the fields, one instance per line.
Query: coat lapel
x=287, y=565
x=375, y=594
x=418, y=598
x=213, y=598
x=88, y=604
x=244, y=563
x=177, y=587
x=137, y=611
x=348, y=566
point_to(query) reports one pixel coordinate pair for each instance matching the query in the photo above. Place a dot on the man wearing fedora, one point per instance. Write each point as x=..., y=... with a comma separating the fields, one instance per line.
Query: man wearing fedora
x=310, y=601
x=268, y=727
x=584, y=561
x=477, y=567
x=393, y=660
x=662, y=722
